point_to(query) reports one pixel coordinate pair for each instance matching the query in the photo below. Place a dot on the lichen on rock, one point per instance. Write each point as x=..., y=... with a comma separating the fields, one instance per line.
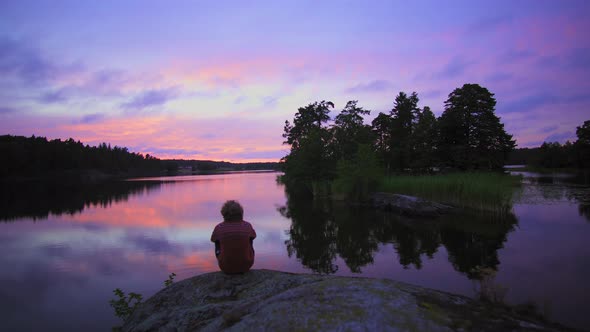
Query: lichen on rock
x=265, y=300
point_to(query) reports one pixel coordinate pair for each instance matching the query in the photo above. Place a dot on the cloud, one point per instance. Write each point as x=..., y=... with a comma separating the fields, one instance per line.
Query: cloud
x=548, y=129
x=430, y=94
x=261, y=155
x=499, y=77
x=454, y=68
x=61, y=251
x=514, y=55
x=7, y=110
x=173, y=151
x=532, y=102
x=578, y=58
x=29, y=64
x=269, y=101
x=17, y=58
x=490, y=23
x=151, y=98
x=373, y=86
x=153, y=245
x=53, y=97
x=240, y=100
x=91, y=118
x=561, y=137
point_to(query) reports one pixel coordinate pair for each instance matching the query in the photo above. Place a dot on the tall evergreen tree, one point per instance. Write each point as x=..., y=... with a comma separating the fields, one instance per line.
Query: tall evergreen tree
x=309, y=159
x=404, y=114
x=424, y=140
x=471, y=135
x=381, y=127
x=307, y=119
x=349, y=131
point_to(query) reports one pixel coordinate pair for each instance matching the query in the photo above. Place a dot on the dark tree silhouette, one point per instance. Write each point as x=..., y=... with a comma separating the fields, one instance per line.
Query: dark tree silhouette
x=582, y=145
x=404, y=115
x=309, y=160
x=424, y=140
x=33, y=156
x=471, y=135
x=349, y=130
x=381, y=127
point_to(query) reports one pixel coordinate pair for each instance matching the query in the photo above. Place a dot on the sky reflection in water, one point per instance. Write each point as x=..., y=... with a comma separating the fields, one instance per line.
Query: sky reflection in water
x=65, y=250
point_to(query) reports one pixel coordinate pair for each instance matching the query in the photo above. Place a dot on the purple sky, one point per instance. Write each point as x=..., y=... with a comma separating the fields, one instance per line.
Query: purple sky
x=217, y=80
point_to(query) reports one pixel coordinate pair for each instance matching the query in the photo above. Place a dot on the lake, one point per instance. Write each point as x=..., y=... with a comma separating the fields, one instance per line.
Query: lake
x=65, y=248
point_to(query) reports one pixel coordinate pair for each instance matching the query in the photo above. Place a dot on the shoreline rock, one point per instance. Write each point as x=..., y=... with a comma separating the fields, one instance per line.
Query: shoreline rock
x=266, y=300
x=407, y=205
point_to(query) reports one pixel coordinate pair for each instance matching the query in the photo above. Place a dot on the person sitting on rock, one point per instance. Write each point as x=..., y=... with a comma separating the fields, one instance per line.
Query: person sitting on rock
x=234, y=239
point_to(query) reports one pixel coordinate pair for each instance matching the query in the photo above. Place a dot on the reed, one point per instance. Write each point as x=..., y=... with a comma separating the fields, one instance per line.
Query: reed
x=479, y=191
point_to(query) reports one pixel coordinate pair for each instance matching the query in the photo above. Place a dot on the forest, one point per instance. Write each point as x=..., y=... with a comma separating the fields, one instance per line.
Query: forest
x=347, y=153
x=553, y=155
x=33, y=156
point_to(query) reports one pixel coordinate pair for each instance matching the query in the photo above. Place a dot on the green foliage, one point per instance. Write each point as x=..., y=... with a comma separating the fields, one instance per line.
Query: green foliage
x=358, y=176
x=307, y=120
x=349, y=131
x=310, y=159
x=471, y=135
x=125, y=305
x=480, y=191
x=409, y=139
x=170, y=279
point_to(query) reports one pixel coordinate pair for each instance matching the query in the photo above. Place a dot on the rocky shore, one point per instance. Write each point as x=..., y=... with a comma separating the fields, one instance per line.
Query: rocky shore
x=265, y=300
x=410, y=206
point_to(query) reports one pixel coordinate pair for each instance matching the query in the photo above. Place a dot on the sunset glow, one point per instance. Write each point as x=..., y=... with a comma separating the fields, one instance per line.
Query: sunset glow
x=217, y=81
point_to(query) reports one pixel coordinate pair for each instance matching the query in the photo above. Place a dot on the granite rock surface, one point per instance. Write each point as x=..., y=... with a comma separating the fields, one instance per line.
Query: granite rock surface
x=265, y=300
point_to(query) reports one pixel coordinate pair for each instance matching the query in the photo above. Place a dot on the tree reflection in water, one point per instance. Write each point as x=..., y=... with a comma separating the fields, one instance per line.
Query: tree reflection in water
x=321, y=230
x=37, y=199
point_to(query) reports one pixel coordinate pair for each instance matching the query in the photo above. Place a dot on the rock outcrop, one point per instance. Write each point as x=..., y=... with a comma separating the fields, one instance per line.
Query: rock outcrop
x=407, y=205
x=264, y=300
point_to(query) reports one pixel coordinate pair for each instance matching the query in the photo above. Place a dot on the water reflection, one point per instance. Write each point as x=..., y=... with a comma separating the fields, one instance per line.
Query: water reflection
x=321, y=230
x=62, y=271
x=557, y=188
x=473, y=241
x=584, y=210
x=37, y=200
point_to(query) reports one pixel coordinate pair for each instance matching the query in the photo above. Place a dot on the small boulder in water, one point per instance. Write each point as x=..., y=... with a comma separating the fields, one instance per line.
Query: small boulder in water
x=407, y=205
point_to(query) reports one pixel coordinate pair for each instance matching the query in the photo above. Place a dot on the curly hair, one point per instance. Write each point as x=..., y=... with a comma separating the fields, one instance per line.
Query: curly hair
x=232, y=211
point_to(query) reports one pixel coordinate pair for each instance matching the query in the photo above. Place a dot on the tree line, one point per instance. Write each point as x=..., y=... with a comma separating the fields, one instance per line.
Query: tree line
x=555, y=155
x=36, y=156
x=467, y=136
x=219, y=166
x=31, y=156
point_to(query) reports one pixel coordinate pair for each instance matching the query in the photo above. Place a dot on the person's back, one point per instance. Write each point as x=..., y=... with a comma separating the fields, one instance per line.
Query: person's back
x=234, y=240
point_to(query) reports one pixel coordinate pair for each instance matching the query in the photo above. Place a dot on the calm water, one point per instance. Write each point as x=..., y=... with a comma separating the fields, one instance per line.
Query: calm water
x=64, y=249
